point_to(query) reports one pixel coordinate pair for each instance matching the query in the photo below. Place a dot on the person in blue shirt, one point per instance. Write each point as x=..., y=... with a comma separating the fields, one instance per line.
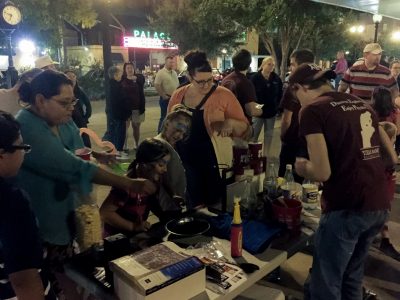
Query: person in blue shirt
x=21, y=252
x=53, y=175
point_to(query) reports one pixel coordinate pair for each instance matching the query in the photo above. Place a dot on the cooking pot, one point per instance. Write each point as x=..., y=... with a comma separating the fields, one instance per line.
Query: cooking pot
x=188, y=226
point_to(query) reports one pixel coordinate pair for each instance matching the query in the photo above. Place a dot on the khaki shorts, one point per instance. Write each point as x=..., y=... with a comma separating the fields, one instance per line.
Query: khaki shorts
x=136, y=117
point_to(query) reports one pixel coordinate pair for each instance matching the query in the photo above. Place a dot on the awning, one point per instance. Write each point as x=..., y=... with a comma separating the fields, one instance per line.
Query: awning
x=387, y=8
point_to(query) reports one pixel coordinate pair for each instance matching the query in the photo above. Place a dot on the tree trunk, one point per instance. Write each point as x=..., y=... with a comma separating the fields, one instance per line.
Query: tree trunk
x=61, y=50
x=285, y=45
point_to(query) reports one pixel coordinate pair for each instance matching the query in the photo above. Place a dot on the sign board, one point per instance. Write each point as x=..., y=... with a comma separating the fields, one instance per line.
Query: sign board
x=148, y=40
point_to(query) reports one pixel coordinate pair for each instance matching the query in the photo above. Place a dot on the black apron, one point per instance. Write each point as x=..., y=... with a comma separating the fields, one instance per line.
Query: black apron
x=204, y=184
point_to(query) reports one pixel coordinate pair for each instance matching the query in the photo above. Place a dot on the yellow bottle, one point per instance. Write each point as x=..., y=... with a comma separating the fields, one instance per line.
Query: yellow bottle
x=236, y=230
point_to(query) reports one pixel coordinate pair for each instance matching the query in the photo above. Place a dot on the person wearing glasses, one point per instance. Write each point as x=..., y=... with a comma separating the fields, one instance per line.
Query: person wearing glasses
x=83, y=109
x=20, y=269
x=53, y=175
x=217, y=116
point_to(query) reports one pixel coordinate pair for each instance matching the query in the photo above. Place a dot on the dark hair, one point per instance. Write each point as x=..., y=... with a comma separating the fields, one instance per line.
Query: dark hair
x=47, y=83
x=150, y=150
x=197, y=62
x=124, y=75
x=382, y=101
x=395, y=61
x=302, y=56
x=241, y=60
x=9, y=130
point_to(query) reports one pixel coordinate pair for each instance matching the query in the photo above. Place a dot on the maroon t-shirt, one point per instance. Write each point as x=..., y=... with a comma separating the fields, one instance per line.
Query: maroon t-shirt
x=290, y=102
x=243, y=89
x=350, y=128
x=130, y=93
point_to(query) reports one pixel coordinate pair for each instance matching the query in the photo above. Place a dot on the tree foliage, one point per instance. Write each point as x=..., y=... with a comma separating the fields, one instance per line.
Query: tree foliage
x=191, y=27
x=282, y=25
x=43, y=19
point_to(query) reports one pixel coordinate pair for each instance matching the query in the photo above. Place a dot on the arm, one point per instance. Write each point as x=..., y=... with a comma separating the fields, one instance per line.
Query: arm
x=252, y=109
x=286, y=121
x=158, y=86
x=138, y=185
x=395, y=91
x=387, y=145
x=27, y=285
x=317, y=167
x=343, y=86
x=86, y=102
x=109, y=215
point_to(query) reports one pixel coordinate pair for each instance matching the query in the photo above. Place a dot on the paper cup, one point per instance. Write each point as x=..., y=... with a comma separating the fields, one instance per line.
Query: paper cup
x=84, y=153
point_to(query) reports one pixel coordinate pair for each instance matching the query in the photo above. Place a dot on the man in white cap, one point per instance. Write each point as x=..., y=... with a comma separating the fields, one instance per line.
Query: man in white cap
x=45, y=63
x=364, y=77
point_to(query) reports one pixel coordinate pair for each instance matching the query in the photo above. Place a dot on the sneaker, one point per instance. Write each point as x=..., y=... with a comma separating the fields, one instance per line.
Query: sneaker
x=387, y=248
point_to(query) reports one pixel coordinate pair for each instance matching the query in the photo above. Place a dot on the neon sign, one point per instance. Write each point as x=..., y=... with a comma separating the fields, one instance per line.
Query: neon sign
x=149, y=40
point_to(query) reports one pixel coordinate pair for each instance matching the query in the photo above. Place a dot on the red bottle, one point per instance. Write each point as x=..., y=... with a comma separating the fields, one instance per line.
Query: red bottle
x=236, y=230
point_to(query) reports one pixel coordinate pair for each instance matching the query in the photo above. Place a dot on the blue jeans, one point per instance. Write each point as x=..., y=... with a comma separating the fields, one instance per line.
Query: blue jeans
x=337, y=81
x=341, y=247
x=163, y=107
x=268, y=124
x=117, y=133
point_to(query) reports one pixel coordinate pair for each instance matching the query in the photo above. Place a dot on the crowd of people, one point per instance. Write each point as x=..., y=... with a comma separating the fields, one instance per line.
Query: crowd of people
x=344, y=136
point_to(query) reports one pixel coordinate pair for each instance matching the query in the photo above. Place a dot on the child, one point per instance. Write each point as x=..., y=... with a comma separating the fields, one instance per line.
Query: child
x=385, y=246
x=128, y=213
x=384, y=106
x=21, y=252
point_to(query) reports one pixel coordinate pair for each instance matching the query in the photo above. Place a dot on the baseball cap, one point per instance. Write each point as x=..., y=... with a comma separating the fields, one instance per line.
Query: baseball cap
x=44, y=61
x=307, y=73
x=374, y=48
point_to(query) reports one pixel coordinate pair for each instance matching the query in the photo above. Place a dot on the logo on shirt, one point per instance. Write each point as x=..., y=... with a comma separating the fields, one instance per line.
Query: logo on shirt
x=367, y=130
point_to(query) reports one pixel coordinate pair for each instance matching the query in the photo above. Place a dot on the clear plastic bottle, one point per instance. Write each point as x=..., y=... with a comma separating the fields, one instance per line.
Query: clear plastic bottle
x=270, y=183
x=249, y=199
x=289, y=186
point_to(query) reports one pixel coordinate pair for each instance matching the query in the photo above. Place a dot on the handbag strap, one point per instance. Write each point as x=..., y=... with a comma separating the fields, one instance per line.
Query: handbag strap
x=204, y=100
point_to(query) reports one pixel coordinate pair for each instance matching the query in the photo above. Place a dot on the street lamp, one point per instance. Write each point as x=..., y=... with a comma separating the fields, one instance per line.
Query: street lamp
x=224, y=51
x=377, y=19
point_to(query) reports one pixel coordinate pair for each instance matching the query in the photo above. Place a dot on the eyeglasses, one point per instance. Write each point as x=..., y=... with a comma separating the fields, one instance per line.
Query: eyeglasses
x=203, y=83
x=66, y=104
x=11, y=149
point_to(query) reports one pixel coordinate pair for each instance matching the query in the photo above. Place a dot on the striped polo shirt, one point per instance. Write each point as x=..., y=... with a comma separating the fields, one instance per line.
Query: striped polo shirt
x=362, y=81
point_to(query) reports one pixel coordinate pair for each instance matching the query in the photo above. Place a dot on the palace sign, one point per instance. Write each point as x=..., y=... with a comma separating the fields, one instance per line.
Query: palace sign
x=148, y=40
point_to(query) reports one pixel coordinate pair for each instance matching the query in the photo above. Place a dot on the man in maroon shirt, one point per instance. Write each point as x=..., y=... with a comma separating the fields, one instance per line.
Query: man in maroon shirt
x=343, y=141
x=242, y=87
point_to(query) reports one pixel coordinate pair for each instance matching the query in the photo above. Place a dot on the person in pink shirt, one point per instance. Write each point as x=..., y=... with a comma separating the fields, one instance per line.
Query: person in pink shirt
x=341, y=67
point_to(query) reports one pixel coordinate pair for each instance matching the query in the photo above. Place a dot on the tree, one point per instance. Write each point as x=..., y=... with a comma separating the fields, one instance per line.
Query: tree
x=190, y=27
x=283, y=25
x=45, y=18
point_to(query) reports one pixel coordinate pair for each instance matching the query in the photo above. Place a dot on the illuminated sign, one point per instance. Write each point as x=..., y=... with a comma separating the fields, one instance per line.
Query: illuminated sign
x=149, y=40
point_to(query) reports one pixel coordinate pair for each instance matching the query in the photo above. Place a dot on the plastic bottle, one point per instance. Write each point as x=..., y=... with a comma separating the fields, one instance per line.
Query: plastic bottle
x=310, y=194
x=270, y=183
x=236, y=230
x=289, y=187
